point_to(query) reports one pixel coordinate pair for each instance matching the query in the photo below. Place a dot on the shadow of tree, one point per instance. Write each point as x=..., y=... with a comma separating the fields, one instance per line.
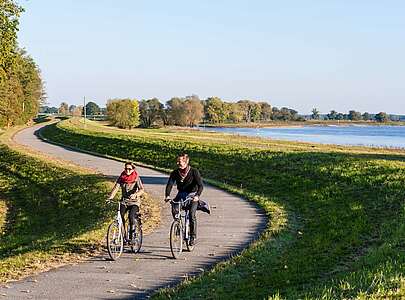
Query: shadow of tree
x=48, y=206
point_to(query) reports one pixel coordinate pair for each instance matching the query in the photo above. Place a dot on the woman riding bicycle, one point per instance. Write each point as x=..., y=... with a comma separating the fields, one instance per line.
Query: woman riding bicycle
x=131, y=188
x=189, y=184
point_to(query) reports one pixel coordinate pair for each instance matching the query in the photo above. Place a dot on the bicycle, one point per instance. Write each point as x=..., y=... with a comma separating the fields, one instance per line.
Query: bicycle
x=118, y=236
x=180, y=228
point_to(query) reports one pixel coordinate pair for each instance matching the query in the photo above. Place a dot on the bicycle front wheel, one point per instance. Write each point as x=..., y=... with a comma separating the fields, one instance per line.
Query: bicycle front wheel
x=176, y=238
x=136, y=242
x=115, y=241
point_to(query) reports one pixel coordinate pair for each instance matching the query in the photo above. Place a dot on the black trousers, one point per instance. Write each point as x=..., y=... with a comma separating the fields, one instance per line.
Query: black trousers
x=192, y=208
x=133, y=211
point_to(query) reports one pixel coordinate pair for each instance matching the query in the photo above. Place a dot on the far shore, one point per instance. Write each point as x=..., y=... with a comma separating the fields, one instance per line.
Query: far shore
x=297, y=124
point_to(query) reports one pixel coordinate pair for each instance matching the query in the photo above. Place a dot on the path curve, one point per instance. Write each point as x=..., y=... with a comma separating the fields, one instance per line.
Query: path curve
x=233, y=224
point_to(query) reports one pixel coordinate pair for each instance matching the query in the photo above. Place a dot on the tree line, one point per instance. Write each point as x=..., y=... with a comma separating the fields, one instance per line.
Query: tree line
x=353, y=115
x=191, y=110
x=21, y=86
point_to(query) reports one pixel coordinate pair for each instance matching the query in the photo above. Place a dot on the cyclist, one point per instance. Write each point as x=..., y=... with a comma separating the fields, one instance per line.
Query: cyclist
x=189, y=184
x=131, y=189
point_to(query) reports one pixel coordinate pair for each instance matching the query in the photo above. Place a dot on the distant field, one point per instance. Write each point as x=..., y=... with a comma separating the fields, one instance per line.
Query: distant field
x=49, y=214
x=336, y=214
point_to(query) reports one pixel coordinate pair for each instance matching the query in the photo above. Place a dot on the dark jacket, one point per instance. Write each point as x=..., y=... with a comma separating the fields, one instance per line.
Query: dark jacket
x=190, y=184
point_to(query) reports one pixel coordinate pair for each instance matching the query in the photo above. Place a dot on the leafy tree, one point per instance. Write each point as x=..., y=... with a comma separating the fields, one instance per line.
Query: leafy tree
x=194, y=111
x=256, y=111
x=381, y=117
x=92, y=108
x=77, y=111
x=354, y=115
x=21, y=93
x=248, y=109
x=175, y=112
x=10, y=107
x=332, y=115
x=215, y=110
x=235, y=112
x=63, y=108
x=366, y=116
x=123, y=113
x=9, y=14
x=150, y=111
x=265, y=111
x=72, y=109
x=315, y=114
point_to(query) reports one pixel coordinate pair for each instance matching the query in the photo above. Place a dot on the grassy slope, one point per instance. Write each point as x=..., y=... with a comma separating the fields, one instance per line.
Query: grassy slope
x=336, y=226
x=51, y=212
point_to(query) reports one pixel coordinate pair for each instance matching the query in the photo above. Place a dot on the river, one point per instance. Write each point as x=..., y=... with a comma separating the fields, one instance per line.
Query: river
x=357, y=135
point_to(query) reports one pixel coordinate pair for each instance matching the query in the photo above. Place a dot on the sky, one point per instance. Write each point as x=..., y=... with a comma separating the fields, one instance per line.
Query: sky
x=333, y=54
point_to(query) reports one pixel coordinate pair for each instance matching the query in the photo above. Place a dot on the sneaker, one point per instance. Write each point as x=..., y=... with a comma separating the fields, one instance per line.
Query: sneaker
x=192, y=241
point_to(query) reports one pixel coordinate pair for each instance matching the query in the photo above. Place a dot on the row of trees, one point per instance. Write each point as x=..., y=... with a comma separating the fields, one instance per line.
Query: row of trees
x=352, y=115
x=21, y=87
x=189, y=111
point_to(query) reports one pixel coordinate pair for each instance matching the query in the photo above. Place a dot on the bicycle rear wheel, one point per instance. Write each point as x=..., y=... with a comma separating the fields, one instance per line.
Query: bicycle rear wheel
x=136, y=242
x=115, y=241
x=176, y=238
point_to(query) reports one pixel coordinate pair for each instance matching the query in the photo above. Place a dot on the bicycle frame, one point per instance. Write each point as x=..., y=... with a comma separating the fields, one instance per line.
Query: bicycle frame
x=183, y=215
x=118, y=219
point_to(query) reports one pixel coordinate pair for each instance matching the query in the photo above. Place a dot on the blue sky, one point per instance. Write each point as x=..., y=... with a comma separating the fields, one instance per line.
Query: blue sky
x=302, y=54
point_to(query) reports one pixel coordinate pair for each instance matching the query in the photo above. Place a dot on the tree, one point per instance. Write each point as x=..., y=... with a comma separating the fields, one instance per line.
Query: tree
x=332, y=115
x=92, y=109
x=366, y=116
x=150, y=111
x=266, y=111
x=194, y=111
x=123, y=113
x=175, y=112
x=63, y=108
x=247, y=108
x=10, y=106
x=235, y=112
x=381, y=117
x=9, y=14
x=354, y=115
x=77, y=111
x=215, y=110
x=315, y=114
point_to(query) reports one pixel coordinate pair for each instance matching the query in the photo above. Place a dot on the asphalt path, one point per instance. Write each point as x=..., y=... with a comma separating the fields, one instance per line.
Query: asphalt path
x=233, y=224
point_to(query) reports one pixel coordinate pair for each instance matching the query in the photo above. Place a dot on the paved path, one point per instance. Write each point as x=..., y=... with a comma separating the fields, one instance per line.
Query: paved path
x=231, y=226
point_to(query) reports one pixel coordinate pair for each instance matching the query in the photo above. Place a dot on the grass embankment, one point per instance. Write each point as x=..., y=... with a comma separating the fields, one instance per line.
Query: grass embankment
x=337, y=214
x=51, y=213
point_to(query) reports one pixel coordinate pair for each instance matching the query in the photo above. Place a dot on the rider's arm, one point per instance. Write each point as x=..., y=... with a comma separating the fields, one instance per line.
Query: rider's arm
x=199, y=182
x=114, y=191
x=169, y=185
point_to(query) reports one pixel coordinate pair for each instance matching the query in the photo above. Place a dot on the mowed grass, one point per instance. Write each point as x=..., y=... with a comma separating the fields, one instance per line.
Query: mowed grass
x=51, y=213
x=336, y=214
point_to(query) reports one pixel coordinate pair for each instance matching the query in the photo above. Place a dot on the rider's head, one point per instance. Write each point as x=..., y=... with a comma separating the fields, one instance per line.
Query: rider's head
x=129, y=167
x=182, y=160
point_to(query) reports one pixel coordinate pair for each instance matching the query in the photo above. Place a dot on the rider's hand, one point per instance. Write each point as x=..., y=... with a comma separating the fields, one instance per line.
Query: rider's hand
x=167, y=199
x=196, y=198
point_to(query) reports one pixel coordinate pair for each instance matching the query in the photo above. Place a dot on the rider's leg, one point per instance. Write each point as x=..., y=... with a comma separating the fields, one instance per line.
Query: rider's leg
x=132, y=215
x=193, y=220
x=123, y=210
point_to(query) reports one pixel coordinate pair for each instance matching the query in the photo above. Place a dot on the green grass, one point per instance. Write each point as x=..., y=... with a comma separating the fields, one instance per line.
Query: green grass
x=51, y=213
x=336, y=214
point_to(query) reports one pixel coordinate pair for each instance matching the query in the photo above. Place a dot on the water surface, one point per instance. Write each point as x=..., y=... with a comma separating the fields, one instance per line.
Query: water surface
x=357, y=135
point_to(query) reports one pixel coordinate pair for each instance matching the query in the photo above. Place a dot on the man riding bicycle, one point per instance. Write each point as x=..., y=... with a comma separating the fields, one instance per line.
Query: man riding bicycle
x=189, y=184
x=131, y=189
